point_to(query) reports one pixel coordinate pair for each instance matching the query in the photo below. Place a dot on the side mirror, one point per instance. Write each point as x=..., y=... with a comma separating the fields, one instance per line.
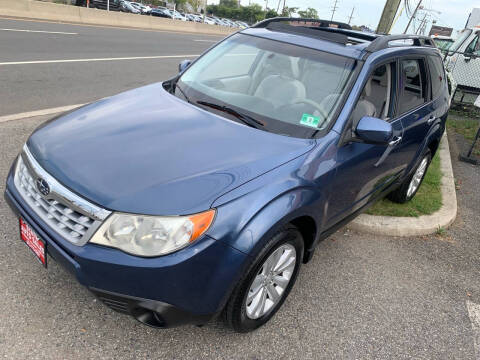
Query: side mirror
x=469, y=56
x=183, y=65
x=374, y=131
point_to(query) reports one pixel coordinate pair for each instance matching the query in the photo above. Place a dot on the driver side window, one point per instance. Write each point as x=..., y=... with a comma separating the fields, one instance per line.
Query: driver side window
x=376, y=97
x=474, y=46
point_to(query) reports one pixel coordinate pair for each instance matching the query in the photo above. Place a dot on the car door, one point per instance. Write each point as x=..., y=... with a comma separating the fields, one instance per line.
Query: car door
x=467, y=67
x=364, y=170
x=414, y=107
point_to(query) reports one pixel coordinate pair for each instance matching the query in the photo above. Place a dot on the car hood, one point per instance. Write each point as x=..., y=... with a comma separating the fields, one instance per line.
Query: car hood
x=145, y=151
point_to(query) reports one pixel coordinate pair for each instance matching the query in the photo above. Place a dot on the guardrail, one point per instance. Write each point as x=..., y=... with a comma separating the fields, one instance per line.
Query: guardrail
x=32, y=9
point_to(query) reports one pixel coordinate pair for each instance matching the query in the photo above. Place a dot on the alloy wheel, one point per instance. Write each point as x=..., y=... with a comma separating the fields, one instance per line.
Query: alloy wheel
x=269, y=284
x=417, y=177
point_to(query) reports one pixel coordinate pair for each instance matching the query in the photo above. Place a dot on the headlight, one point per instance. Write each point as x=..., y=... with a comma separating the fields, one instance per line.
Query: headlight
x=146, y=235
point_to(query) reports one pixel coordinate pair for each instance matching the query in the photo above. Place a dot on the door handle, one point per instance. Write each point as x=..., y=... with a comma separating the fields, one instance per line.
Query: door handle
x=431, y=120
x=395, y=141
x=390, y=147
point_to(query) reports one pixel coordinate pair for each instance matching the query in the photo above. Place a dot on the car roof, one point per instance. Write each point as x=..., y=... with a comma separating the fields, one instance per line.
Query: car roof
x=338, y=38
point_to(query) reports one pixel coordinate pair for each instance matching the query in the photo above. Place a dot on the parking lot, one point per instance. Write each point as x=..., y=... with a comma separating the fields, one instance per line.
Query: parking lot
x=361, y=296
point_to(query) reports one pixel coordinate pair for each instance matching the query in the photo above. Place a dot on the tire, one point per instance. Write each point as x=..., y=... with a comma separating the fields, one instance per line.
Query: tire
x=242, y=317
x=410, y=186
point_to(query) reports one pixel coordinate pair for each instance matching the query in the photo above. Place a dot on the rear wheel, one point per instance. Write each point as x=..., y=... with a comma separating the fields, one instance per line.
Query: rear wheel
x=410, y=186
x=267, y=282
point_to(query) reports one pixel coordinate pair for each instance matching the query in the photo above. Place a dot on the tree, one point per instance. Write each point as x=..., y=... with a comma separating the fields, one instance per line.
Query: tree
x=289, y=11
x=179, y=3
x=250, y=14
x=229, y=3
x=310, y=13
x=196, y=4
x=271, y=13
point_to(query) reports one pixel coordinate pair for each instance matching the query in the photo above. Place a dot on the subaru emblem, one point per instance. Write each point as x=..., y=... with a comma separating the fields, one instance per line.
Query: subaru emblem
x=43, y=187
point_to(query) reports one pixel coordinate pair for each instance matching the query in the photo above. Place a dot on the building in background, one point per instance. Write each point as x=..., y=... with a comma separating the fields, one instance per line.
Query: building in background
x=440, y=30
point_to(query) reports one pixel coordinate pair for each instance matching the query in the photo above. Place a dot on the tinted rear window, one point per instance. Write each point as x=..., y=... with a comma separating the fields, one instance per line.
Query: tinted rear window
x=413, y=85
x=437, y=74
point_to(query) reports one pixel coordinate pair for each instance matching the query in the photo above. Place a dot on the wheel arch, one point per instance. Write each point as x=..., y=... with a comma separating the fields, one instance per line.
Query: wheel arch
x=433, y=145
x=308, y=228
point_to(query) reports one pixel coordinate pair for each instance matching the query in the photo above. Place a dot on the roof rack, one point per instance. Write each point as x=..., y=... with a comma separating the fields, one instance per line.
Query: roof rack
x=340, y=33
x=309, y=32
x=383, y=42
x=359, y=35
x=303, y=22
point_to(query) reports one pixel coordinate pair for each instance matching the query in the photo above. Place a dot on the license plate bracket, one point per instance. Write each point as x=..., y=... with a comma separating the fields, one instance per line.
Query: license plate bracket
x=33, y=242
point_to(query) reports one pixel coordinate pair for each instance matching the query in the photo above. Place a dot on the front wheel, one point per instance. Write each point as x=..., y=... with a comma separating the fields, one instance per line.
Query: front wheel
x=267, y=282
x=410, y=186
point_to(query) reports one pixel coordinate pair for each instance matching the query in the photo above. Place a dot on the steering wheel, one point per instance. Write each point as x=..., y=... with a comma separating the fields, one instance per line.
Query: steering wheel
x=314, y=104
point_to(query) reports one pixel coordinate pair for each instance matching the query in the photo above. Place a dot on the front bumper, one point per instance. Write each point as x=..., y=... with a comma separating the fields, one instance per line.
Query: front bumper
x=188, y=286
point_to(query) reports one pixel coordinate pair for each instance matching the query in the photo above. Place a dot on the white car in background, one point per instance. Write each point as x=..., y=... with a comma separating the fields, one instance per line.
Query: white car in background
x=144, y=9
x=463, y=61
x=177, y=16
x=208, y=20
x=126, y=6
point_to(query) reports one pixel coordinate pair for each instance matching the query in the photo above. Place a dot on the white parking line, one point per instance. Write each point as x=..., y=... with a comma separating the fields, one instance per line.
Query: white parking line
x=38, y=113
x=100, y=59
x=39, y=31
x=474, y=314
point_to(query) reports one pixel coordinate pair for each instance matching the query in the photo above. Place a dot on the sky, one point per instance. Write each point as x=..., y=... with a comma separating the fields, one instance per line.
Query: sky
x=453, y=13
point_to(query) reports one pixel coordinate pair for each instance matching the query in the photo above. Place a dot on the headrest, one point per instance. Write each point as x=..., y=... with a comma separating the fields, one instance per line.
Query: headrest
x=282, y=65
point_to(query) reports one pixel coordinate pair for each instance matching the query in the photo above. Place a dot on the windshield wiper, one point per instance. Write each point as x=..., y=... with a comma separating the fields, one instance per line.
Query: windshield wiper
x=247, y=120
x=183, y=93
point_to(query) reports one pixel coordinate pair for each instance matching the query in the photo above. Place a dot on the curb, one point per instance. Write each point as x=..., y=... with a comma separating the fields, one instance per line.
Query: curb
x=425, y=224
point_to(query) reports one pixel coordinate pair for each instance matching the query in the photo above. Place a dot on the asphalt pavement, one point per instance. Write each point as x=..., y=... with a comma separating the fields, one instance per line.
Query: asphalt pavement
x=360, y=297
x=27, y=85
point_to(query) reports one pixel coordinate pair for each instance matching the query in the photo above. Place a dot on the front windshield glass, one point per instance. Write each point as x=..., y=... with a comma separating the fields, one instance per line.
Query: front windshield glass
x=460, y=40
x=443, y=44
x=290, y=89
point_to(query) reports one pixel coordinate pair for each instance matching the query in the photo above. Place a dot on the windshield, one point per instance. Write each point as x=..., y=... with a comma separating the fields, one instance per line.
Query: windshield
x=443, y=44
x=289, y=89
x=460, y=40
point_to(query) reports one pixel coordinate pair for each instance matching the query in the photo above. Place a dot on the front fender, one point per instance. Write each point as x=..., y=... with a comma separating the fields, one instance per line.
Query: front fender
x=249, y=232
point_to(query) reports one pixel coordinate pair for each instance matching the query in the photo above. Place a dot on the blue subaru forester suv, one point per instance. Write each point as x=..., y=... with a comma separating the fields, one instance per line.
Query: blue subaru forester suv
x=204, y=194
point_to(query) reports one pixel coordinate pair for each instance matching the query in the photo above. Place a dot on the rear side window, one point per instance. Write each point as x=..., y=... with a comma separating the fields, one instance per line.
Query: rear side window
x=437, y=74
x=376, y=98
x=413, y=85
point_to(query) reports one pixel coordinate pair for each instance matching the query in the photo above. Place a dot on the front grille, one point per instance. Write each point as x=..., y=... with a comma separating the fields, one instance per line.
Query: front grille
x=63, y=215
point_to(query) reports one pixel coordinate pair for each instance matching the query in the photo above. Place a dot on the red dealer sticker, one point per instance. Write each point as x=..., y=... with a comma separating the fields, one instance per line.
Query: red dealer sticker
x=33, y=242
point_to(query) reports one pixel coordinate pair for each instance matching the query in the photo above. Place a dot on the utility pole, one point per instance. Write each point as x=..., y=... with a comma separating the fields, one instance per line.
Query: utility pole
x=108, y=5
x=334, y=8
x=413, y=16
x=204, y=10
x=388, y=15
x=422, y=26
x=351, y=16
x=278, y=5
x=284, y=4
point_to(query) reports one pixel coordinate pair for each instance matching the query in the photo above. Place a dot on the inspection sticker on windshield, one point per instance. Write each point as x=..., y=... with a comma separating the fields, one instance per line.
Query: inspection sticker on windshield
x=310, y=120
